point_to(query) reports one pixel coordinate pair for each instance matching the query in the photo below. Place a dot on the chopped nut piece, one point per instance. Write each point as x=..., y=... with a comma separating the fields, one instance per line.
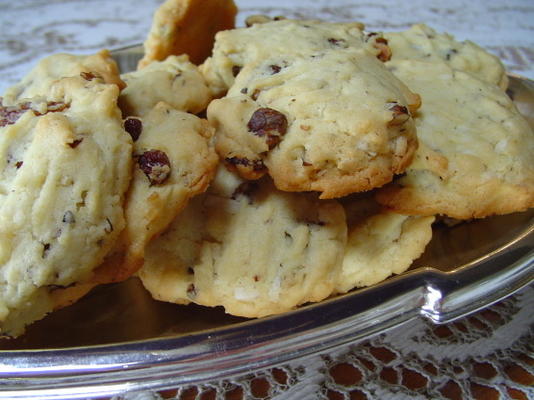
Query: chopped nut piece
x=257, y=165
x=10, y=114
x=275, y=69
x=46, y=248
x=156, y=166
x=381, y=44
x=68, y=217
x=109, y=228
x=338, y=42
x=385, y=51
x=400, y=114
x=75, y=144
x=88, y=76
x=255, y=94
x=235, y=70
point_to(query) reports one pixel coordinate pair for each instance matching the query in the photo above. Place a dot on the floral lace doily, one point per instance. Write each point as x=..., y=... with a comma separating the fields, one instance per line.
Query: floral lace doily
x=488, y=355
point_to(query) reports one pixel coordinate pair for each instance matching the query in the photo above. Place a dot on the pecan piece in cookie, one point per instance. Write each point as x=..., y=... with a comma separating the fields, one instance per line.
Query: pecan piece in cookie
x=338, y=42
x=156, y=166
x=385, y=52
x=269, y=123
x=275, y=69
x=9, y=115
x=75, y=143
x=256, y=165
x=380, y=44
x=235, y=70
x=88, y=76
x=400, y=113
x=69, y=218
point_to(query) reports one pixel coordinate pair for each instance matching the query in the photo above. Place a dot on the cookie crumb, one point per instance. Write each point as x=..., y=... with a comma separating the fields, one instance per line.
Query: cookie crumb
x=257, y=165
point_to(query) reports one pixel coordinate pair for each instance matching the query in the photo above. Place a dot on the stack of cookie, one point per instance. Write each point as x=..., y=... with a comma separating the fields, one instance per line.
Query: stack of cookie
x=324, y=155
x=93, y=170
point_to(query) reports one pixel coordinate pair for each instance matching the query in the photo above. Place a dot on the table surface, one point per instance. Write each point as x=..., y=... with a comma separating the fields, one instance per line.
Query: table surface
x=488, y=355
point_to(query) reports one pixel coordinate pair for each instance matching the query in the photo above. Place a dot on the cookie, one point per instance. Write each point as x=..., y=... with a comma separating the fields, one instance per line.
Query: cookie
x=476, y=153
x=380, y=243
x=174, y=161
x=423, y=43
x=236, y=48
x=187, y=27
x=40, y=79
x=175, y=81
x=65, y=168
x=249, y=248
x=335, y=122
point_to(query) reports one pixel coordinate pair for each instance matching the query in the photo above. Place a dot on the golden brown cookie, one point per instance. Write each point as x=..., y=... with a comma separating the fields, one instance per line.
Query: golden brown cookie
x=248, y=247
x=311, y=104
x=175, y=81
x=187, y=27
x=380, y=243
x=423, y=43
x=476, y=153
x=65, y=168
x=174, y=161
x=336, y=122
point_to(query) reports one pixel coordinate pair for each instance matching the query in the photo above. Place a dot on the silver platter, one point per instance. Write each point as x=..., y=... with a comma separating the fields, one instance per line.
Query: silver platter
x=118, y=339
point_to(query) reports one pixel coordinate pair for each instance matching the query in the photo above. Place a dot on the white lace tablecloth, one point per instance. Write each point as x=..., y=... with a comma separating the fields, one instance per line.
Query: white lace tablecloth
x=489, y=355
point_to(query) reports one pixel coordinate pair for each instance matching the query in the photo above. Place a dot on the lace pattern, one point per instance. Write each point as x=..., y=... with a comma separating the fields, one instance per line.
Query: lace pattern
x=488, y=355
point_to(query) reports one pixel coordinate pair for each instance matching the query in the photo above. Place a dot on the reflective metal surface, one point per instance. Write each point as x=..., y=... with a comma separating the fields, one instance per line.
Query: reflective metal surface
x=118, y=339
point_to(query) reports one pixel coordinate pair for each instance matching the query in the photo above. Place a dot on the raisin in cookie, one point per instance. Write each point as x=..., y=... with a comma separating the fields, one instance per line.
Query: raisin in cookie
x=65, y=168
x=187, y=27
x=423, y=43
x=380, y=243
x=476, y=154
x=236, y=48
x=248, y=247
x=40, y=79
x=174, y=161
x=175, y=81
x=335, y=122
